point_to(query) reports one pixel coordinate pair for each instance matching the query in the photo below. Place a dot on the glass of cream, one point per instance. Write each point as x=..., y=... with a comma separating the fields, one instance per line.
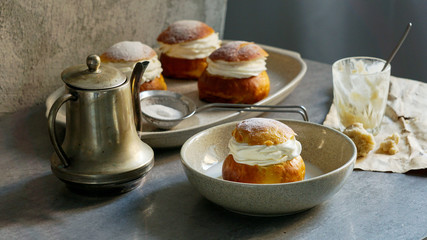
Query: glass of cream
x=361, y=91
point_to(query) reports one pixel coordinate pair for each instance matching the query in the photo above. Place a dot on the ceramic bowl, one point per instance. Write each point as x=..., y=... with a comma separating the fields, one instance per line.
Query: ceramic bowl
x=328, y=154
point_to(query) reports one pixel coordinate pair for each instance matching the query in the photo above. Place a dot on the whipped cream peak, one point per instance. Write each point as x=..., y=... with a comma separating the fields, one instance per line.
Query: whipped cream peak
x=241, y=69
x=154, y=68
x=200, y=48
x=263, y=155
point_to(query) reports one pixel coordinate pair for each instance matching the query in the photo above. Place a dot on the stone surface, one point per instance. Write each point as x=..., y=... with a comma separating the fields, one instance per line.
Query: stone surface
x=39, y=39
x=36, y=205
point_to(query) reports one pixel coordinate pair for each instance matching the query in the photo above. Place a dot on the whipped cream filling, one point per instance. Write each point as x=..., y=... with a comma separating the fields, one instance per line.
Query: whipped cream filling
x=200, y=48
x=153, y=70
x=263, y=155
x=242, y=69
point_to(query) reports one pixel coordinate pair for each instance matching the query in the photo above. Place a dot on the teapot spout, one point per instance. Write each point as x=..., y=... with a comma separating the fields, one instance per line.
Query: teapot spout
x=135, y=82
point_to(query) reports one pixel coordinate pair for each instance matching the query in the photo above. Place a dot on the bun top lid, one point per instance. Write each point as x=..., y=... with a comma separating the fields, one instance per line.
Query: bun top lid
x=262, y=131
x=237, y=51
x=128, y=51
x=185, y=31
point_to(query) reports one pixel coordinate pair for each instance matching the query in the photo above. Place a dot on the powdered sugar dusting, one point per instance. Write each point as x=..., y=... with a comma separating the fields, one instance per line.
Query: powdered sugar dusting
x=256, y=124
x=184, y=31
x=162, y=112
x=186, y=25
x=130, y=51
x=238, y=51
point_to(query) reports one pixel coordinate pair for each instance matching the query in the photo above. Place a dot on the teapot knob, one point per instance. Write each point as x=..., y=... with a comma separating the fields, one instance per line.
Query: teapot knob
x=93, y=62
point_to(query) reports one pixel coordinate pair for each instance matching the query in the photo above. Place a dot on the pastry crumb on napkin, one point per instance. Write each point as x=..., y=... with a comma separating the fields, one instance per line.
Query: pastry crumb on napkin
x=406, y=117
x=363, y=140
x=389, y=145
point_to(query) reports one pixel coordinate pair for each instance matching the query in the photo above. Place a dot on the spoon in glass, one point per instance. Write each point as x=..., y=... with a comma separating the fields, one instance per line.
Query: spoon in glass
x=402, y=39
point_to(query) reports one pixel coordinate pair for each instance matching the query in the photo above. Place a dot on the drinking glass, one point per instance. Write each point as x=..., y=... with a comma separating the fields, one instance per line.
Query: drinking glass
x=360, y=91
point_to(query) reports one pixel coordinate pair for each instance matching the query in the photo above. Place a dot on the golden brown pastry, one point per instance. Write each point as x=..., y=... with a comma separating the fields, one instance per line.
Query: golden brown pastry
x=263, y=151
x=184, y=47
x=364, y=141
x=124, y=55
x=390, y=145
x=236, y=73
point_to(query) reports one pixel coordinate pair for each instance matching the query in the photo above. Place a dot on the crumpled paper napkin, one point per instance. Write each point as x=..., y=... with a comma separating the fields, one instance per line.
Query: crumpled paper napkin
x=406, y=115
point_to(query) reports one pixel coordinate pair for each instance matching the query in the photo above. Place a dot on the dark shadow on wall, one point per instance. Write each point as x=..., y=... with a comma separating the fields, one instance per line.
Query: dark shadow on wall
x=328, y=30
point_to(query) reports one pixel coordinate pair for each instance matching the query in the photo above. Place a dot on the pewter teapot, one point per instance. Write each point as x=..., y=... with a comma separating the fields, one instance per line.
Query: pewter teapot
x=102, y=150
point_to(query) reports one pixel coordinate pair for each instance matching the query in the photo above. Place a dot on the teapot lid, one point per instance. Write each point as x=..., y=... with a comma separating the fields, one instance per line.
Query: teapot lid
x=93, y=76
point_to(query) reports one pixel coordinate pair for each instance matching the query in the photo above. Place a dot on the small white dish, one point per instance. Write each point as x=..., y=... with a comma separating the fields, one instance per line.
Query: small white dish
x=328, y=154
x=165, y=109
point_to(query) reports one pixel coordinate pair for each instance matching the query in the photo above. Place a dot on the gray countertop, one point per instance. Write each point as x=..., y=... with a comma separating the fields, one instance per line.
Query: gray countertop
x=34, y=204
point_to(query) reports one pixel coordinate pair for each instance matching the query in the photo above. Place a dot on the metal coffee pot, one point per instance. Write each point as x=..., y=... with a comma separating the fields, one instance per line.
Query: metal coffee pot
x=102, y=150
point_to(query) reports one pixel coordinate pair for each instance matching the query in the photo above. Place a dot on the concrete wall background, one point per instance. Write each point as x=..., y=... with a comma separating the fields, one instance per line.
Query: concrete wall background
x=39, y=39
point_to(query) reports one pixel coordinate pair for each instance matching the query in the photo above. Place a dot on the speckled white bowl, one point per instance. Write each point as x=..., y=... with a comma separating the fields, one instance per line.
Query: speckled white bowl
x=328, y=154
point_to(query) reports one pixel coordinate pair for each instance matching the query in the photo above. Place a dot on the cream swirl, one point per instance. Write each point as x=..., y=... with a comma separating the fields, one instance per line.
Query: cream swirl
x=154, y=68
x=242, y=69
x=263, y=155
x=199, y=48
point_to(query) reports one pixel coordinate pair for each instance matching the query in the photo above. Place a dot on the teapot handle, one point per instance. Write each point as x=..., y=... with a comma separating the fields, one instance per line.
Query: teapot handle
x=52, y=130
x=135, y=83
